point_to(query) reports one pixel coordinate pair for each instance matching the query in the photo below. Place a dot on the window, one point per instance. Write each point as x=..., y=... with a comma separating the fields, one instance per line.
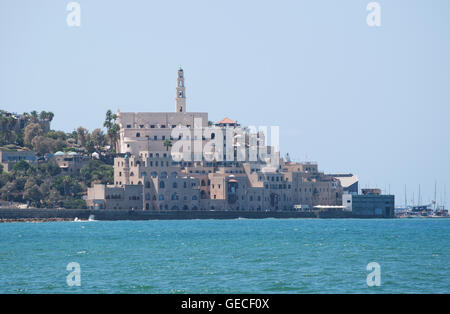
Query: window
x=138, y=134
x=161, y=185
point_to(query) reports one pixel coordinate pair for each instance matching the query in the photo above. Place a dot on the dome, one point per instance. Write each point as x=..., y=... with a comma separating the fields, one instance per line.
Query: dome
x=59, y=153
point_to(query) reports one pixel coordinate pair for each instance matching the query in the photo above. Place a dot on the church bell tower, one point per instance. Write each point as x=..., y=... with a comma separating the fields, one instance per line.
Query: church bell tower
x=181, y=92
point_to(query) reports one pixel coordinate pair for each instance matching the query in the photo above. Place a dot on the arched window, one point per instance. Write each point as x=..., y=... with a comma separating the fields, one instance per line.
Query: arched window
x=147, y=184
x=154, y=174
x=161, y=197
x=163, y=175
x=174, y=197
x=161, y=185
x=174, y=185
x=203, y=183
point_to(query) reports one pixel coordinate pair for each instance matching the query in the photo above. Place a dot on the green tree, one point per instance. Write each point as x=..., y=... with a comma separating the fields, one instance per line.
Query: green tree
x=82, y=136
x=22, y=167
x=34, y=116
x=7, y=191
x=31, y=191
x=43, y=145
x=98, y=172
x=98, y=138
x=112, y=129
x=57, y=135
x=167, y=143
x=31, y=131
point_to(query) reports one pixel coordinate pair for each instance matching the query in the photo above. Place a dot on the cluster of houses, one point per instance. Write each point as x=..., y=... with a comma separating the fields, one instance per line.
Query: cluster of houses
x=159, y=168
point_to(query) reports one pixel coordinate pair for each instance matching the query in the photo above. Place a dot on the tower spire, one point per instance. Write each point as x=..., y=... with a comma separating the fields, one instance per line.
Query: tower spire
x=181, y=92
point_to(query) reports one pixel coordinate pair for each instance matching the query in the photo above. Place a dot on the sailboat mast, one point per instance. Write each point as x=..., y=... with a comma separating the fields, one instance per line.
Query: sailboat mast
x=435, y=184
x=406, y=201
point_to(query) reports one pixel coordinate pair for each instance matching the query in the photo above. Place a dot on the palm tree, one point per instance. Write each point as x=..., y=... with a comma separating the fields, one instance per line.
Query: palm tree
x=34, y=116
x=112, y=128
x=167, y=143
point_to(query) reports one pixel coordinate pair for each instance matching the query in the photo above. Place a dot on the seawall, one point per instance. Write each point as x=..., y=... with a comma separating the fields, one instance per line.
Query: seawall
x=9, y=214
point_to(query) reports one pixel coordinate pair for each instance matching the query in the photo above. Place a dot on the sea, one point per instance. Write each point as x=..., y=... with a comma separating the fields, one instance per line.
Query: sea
x=227, y=256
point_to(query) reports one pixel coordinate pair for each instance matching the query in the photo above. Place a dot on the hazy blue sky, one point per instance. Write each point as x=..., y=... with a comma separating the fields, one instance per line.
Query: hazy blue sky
x=372, y=101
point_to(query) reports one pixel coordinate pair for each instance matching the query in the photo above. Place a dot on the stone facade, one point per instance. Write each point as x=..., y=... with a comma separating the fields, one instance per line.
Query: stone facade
x=70, y=163
x=149, y=173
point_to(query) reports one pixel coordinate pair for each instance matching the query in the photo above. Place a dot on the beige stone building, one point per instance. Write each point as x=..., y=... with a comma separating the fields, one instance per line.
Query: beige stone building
x=150, y=176
x=70, y=163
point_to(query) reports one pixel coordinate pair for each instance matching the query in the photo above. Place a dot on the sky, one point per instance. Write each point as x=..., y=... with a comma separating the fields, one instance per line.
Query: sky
x=373, y=101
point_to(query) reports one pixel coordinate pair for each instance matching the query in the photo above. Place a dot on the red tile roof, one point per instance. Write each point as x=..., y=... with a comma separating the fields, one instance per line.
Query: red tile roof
x=226, y=121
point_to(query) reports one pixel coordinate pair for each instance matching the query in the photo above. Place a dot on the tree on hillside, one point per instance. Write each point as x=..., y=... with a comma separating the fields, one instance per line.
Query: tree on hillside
x=97, y=172
x=44, y=145
x=31, y=131
x=46, y=116
x=112, y=129
x=31, y=191
x=34, y=116
x=82, y=136
x=22, y=167
x=98, y=138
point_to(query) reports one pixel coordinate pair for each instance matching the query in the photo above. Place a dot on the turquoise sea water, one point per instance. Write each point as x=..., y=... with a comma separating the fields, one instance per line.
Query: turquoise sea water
x=227, y=256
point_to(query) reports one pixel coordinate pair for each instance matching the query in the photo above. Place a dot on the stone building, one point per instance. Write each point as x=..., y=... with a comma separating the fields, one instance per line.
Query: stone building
x=70, y=163
x=156, y=179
